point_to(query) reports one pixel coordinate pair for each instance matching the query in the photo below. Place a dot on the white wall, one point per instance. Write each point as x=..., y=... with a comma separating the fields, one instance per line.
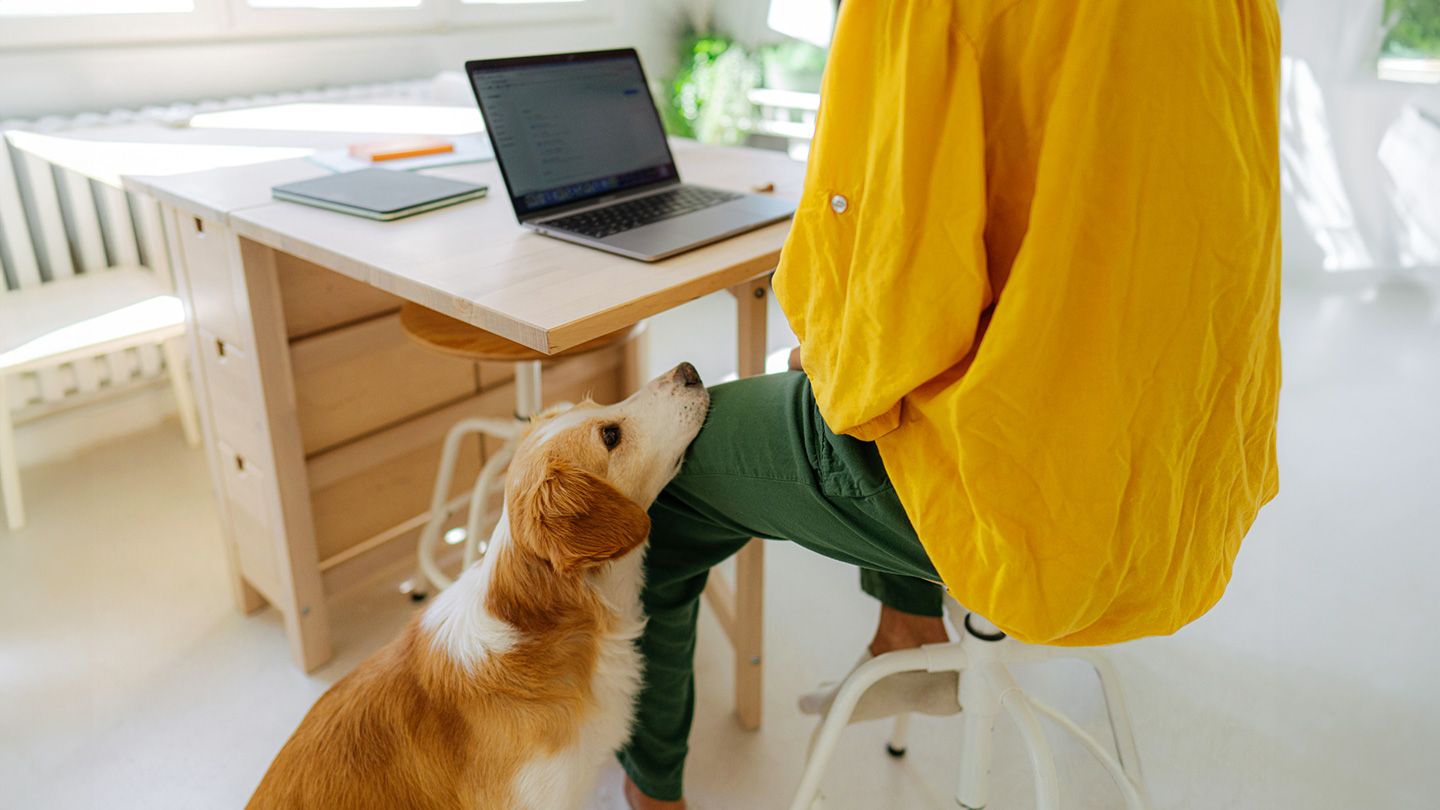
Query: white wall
x=67, y=80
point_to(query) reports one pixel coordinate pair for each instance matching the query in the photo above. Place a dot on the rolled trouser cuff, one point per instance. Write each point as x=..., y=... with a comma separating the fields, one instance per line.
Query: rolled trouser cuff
x=905, y=594
x=664, y=784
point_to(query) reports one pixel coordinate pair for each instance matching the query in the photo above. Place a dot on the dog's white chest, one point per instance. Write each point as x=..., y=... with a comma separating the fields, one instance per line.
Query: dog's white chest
x=564, y=780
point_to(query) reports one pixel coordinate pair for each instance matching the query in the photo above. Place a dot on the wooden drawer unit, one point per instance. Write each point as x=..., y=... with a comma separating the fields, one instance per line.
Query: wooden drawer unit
x=214, y=284
x=373, y=485
x=246, y=483
x=317, y=300
x=387, y=481
x=359, y=379
x=232, y=386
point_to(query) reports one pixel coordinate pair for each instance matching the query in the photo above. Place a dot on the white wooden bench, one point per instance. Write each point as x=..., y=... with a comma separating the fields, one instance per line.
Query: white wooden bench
x=109, y=325
x=79, y=312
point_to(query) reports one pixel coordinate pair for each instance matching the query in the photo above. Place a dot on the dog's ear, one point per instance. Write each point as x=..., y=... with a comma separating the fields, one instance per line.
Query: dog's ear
x=576, y=519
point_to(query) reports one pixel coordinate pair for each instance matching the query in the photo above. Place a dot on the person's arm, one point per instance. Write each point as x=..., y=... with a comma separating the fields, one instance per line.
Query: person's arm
x=884, y=276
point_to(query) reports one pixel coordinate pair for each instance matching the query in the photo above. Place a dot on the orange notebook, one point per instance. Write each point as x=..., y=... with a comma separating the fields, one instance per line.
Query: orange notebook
x=396, y=148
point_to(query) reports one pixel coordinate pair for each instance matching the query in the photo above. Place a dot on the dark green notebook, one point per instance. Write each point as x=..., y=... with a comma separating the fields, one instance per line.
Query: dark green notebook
x=382, y=194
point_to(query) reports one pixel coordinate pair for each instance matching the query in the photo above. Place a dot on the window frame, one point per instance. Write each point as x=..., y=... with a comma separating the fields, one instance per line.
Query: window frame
x=1419, y=69
x=205, y=20
x=224, y=20
x=460, y=14
x=248, y=21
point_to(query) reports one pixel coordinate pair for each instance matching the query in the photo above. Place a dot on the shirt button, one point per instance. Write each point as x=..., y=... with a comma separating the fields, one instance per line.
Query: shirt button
x=838, y=203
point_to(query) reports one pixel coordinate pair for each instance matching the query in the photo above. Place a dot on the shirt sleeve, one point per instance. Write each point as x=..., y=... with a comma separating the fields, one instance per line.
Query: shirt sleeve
x=883, y=277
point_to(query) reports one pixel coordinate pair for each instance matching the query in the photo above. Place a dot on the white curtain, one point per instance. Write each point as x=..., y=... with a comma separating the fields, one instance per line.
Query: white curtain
x=1360, y=155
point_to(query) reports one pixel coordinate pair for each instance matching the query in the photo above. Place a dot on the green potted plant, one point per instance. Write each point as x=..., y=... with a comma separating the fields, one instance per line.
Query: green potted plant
x=708, y=97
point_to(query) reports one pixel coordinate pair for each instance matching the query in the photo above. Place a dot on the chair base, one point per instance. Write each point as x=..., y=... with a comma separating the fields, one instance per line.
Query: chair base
x=490, y=482
x=983, y=655
x=442, y=333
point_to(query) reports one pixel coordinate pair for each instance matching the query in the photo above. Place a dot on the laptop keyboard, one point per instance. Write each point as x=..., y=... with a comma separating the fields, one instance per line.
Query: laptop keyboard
x=631, y=214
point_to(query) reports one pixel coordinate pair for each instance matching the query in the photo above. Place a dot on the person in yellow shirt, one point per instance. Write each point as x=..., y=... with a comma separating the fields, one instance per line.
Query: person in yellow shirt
x=1035, y=276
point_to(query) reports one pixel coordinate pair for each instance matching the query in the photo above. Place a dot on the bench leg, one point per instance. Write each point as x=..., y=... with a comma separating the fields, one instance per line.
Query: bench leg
x=9, y=464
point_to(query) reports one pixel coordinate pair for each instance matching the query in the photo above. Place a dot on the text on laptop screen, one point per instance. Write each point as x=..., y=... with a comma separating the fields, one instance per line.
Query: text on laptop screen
x=568, y=131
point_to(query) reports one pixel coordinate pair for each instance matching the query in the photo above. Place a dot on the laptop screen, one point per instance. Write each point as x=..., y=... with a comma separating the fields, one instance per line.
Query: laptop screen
x=571, y=127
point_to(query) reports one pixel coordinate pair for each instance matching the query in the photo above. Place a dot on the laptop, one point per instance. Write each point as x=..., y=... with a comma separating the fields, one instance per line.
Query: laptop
x=585, y=159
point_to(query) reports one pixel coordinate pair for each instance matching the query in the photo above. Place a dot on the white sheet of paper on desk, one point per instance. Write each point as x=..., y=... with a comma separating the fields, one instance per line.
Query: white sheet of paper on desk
x=468, y=149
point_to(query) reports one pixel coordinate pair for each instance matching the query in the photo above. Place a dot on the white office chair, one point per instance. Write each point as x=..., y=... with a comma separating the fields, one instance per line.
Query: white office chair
x=441, y=333
x=982, y=656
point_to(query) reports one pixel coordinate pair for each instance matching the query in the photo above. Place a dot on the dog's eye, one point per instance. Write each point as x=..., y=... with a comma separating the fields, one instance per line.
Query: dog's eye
x=610, y=434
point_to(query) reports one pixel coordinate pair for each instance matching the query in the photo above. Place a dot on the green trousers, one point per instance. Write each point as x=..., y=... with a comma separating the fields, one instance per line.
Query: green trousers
x=765, y=465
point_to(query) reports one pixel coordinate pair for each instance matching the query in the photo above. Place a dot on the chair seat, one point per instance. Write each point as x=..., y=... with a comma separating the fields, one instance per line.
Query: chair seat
x=91, y=313
x=443, y=333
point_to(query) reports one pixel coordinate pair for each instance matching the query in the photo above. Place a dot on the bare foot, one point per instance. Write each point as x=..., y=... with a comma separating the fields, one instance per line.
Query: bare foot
x=639, y=801
x=934, y=693
x=905, y=631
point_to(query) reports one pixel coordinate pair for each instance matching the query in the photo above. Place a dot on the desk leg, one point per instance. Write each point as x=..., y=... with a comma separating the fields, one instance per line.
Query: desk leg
x=748, y=633
x=302, y=594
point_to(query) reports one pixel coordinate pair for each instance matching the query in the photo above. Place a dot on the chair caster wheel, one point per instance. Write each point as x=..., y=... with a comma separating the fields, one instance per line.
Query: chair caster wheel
x=417, y=589
x=893, y=751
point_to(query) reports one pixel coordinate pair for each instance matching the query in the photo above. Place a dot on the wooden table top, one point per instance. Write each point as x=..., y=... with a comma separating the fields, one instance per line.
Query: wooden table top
x=471, y=261
x=475, y=263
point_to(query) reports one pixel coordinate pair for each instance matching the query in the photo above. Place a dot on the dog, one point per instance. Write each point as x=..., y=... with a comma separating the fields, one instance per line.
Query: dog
x=514, y=686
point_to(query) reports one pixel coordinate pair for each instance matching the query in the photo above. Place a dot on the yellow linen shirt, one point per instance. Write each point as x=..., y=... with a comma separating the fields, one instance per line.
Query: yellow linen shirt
x=1037, y=261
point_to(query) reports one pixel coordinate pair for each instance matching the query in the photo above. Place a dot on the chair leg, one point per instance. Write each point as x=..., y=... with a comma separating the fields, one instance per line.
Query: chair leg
x=838, y=717
x=898, y=736
x=1132, y=791
x=1042, y=761
x=9, y=464
x=485, y=486
x=1119, y=716
x=429, y=574
x=175, y=362
x=981, y=704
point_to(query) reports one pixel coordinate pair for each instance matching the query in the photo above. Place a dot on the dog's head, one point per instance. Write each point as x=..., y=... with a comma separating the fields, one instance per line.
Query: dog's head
x=583, y=476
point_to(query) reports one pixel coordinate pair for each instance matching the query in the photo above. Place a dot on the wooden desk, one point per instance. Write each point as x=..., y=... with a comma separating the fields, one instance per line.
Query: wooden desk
x=312, y=410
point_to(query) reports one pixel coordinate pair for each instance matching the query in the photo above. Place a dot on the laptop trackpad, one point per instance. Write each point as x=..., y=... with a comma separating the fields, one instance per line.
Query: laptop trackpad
x=698, y=227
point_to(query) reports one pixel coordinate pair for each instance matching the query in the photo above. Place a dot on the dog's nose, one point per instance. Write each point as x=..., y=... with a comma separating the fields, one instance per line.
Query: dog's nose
x=687, y=375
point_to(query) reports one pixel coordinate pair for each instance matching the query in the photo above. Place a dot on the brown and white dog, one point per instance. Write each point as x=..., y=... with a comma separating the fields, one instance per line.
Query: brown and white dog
x=512, y=689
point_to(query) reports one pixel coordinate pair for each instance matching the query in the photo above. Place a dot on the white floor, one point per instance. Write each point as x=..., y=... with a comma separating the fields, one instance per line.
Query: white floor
x=127, y=681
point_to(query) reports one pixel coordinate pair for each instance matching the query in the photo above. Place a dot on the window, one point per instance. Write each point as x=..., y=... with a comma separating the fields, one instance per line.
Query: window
x=1411, y=51
x=333, y=3
x=483, y=12
x=72, y=8
x=50, y=23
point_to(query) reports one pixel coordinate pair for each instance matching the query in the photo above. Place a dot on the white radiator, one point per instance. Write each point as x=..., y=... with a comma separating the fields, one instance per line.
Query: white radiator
x=55, y=223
